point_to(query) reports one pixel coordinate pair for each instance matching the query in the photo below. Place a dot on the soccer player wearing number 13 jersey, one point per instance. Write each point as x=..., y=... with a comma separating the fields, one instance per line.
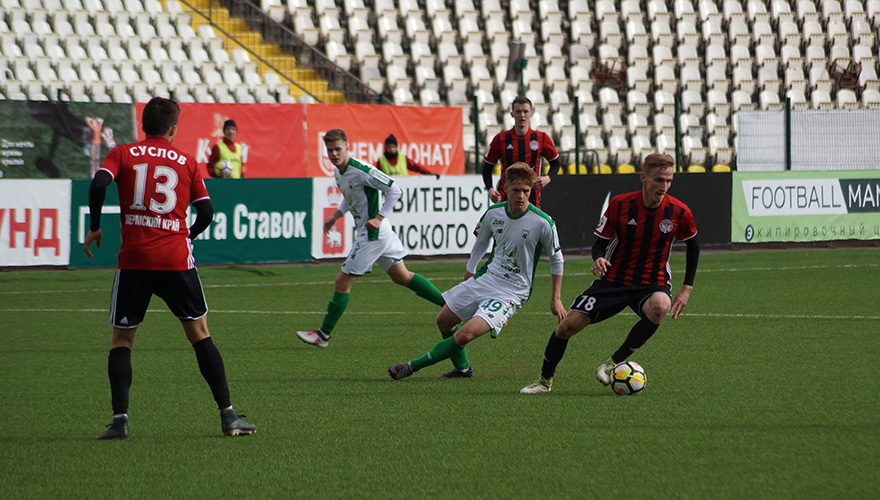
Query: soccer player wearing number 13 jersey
x=631, y=259
x=156, y=183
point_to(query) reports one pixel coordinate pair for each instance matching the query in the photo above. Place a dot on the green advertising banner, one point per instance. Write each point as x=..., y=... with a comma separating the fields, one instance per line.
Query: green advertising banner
x=60, y=140
x=805, y=206
x=255, y=220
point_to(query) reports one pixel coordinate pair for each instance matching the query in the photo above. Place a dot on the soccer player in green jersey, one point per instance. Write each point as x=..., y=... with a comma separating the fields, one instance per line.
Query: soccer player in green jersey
x=488, y=298
x=375, y=242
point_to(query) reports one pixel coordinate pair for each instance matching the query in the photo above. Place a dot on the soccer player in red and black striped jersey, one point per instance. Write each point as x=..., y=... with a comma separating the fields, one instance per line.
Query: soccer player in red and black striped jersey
x=520, y=144
x=156, y=184
x=631, y=259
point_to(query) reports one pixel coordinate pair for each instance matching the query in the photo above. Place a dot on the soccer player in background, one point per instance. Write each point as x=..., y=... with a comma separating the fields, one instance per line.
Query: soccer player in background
x=374, y=243
x=631, y=260
x=488, y=298
x=520, y=144
x=156, y=183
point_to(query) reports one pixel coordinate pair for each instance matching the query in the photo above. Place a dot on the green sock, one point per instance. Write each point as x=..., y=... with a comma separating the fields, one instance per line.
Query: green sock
x=426, y=290
x=444, y=349
x=460, y=360
x=335, y=309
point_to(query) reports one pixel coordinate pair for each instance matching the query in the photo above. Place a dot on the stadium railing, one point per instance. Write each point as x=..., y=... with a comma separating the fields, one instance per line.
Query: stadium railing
x=337, y=78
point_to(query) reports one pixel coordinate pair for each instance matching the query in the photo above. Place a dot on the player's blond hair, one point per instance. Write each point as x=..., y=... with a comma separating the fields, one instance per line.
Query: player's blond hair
x=657, y=161
x=337, y=134
x=520, y=172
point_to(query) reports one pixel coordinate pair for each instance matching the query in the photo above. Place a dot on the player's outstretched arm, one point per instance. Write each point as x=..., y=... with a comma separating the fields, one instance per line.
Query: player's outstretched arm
x=600, y=263
x=204, y=216
x=97, y=192
x=328, y=224
x=600, y=267
x=494, y=195
x=374, y=223
x=681, y=300
x=92, y=236
x=691, y=259
x=556, y=306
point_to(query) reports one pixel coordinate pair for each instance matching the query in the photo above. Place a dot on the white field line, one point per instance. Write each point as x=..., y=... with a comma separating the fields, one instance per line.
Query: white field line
x=386, y=280
x=399, y=313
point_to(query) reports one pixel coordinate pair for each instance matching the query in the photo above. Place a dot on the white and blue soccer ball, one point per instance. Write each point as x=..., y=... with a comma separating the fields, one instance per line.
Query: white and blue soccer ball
x=628, y=378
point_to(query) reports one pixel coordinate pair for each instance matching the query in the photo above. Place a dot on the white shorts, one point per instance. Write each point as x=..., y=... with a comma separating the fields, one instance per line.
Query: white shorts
x=385, y=251
x=485, y=297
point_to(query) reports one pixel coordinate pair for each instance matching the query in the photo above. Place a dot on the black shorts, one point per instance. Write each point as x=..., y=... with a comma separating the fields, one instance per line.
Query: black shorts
x=132, y=290
x=604, y=299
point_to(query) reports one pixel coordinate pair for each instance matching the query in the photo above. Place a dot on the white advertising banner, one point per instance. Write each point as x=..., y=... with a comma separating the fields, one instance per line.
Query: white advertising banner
x=438, y=217
x=433, y=217
x=805, y=206
x=34, y=222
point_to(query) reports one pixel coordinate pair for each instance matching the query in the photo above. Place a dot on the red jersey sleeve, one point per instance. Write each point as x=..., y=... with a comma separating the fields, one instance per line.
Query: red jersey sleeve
x=197, y=189
x=494, y=153
x=415, y=167
x=215, y=155
x=687, y=228
x=548, y=150
x=112, y=161
x=607, y=226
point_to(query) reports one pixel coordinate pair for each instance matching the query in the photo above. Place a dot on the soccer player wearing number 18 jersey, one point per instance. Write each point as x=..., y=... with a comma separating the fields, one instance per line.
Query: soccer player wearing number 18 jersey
x=156, y=183
x=631, y=259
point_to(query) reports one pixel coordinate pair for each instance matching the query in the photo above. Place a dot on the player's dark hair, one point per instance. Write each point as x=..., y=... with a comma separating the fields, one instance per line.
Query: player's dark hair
x=159, y=115
x=520, y=172
x=657, y=160
x=521, y=100
x=337, y=134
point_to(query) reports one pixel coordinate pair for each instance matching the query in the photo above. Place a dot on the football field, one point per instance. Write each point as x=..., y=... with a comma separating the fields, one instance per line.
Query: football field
x=761, y=389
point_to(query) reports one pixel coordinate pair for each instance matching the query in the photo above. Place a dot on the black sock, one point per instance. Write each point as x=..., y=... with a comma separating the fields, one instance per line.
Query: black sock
x=637, y=337
x=119, y=372
x=211, y=366
x=553, y=355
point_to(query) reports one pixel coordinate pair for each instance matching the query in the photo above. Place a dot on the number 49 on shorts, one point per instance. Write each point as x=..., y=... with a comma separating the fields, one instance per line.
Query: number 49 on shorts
x=492, y=305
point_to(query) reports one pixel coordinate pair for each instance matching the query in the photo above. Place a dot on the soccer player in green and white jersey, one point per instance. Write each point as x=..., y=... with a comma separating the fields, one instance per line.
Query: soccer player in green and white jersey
x=375, y=242
x=489, y=297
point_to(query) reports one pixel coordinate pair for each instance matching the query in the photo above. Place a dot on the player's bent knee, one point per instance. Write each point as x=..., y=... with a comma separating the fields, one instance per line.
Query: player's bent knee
x=402, y=279
x=445, y=324
x=196, y=330
x=564, y=331
x=344, y=282
x=463, y=337
x=656, y=307
x=447, y=320
x=655, y=311
x=572, y=324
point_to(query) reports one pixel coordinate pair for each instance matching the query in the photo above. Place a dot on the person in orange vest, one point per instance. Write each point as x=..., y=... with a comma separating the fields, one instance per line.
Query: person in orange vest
x=225, y=160
x=396, y=164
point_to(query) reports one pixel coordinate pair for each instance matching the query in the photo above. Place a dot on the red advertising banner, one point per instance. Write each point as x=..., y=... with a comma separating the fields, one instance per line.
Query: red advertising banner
x=272, y=135
x=431, y=136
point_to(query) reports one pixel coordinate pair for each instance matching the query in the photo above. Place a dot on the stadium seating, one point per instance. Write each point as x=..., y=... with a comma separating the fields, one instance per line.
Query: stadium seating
x=719, y=56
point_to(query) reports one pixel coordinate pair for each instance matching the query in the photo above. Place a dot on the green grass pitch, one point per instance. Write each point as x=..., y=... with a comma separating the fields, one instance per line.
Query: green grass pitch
x=763, y=388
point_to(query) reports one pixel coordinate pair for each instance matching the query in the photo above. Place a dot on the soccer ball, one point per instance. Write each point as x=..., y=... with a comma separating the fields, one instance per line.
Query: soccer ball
x=628, y=378
x=225, y=169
